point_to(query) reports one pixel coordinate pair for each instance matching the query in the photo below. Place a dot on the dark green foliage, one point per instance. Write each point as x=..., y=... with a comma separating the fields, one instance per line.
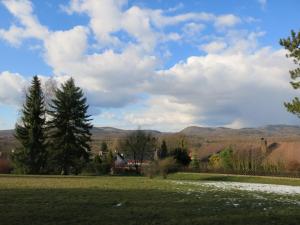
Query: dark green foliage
x=163, y=151
x=110, y=158
x=292, y=45
x=69, y=129
x=226, y=157
x=104, y=147
x=139, y=146
x=181, y=155
x=31, y=157
x=97, y=164
x=195, y=164
x=103, y=164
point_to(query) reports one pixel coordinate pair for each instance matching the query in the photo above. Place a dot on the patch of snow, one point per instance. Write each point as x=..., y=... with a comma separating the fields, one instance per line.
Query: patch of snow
x=119, y=204
x=254, y=187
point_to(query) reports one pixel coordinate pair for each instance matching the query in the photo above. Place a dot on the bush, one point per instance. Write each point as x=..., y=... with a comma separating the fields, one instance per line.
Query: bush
x=181, y=156
x=101, y=166
x=5, y=166
x=195, y=164
x=150, y=170
x=167, y=165
x=226, y=157
x=215, y=162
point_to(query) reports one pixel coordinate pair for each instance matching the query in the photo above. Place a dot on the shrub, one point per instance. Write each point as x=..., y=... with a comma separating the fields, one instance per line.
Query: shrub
x=226, y=158
x=101, y=165
x=181, y=156
x=167, y=165
x=195, y=164
x=215, y=161
x=151, y=169
x=5, y=166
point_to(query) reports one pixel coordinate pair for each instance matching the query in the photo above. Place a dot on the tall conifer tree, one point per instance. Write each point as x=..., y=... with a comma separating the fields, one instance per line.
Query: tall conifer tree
x=69, y=129
x=292, y=45
x=163, y=153
x=30, y=157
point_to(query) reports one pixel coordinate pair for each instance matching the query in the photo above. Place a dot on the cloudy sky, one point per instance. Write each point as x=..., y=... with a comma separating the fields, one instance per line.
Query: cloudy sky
x=155, y=64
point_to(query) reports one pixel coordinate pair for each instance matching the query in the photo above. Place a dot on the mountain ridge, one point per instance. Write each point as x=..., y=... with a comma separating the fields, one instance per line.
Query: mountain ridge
x=188, y=129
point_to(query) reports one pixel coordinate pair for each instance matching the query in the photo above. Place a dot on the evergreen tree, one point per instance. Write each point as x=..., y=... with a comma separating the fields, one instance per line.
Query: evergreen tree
x=69, y=129
x=104, y=148
x=163, y=152
x=30, y=132
x=181, y=155
x=292, y=45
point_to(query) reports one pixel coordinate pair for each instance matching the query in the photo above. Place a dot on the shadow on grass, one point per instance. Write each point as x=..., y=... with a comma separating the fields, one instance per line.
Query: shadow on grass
x=108, y=206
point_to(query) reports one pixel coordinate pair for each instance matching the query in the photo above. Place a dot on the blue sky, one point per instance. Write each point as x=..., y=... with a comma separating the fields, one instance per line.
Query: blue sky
x=155, y=64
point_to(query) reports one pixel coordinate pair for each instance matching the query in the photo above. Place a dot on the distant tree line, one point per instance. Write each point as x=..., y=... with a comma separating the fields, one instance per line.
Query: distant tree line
x=54, y=136
x=144, y=154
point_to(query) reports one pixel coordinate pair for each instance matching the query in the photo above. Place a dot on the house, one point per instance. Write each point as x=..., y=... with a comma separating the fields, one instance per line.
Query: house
x=120, y=161
x=122, y=164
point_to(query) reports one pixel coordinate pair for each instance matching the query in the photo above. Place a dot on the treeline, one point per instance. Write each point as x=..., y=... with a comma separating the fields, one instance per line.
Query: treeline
x=140, y=153
x=246, y=162
x=54, y=137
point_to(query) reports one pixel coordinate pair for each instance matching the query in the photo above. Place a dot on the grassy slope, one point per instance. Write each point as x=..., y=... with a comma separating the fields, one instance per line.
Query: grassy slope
x=94, y=200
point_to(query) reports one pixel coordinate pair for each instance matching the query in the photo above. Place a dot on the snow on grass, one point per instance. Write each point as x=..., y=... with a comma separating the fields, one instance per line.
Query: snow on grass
x=253, y=187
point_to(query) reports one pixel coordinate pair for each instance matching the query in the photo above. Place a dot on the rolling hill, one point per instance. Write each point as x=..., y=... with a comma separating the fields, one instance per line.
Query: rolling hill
x=203, y=140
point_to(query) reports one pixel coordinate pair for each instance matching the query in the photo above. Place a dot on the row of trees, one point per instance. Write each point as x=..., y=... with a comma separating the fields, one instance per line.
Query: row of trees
x=53, y=137
x=141, y=149
x=244, y=161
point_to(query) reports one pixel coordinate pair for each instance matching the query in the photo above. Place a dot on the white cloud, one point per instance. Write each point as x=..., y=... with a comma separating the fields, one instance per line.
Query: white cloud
x=176, y=7
x=193, y=28
x=29, y=24
x=236, y=124
x=214, y=46
x=144, y=25
x=230, y=87
x=105, y=17
x=227, y=20
x=12, y=88
x=235, y=84
x=63, y=48
x=262, y=3
x=162, y=113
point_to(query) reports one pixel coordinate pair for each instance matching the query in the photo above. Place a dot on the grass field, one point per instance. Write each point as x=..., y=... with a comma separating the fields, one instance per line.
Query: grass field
x=70, y=200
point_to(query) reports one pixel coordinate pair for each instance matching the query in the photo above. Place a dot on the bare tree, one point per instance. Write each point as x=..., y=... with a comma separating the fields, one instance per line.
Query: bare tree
x=138, y=145
x=49, y=88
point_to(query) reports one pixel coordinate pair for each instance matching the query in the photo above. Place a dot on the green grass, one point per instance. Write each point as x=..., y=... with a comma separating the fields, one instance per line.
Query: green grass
x=59, y=200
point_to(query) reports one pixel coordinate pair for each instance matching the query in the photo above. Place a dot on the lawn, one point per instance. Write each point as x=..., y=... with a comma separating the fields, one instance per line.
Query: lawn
x=116, y=200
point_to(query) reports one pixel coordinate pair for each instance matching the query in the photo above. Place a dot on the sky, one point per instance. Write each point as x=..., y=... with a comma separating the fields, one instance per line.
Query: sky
x=157, y=64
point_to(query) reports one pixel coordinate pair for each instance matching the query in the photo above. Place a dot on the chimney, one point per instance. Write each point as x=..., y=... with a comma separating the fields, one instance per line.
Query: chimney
x=263, y=145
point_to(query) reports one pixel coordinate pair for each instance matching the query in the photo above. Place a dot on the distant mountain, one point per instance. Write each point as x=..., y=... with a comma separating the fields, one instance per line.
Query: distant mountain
x=196, y=136
x=222, y=132
x=8, y=133
x=268, y=131
x=118, y=132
